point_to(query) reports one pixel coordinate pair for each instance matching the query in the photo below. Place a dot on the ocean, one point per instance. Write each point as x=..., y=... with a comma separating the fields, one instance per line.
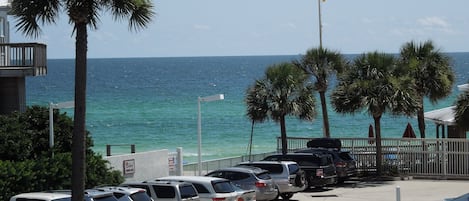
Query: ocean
x=152, y=103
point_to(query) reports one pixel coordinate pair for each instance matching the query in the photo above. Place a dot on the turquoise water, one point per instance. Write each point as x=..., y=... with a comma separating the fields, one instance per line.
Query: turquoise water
x=152, y=103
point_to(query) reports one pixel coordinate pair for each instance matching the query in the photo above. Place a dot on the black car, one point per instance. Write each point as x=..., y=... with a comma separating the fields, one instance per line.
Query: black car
x=319, y=169
x=344, y=163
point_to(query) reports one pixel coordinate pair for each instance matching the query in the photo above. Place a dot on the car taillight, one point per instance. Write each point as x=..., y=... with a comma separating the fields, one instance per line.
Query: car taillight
x=260, y=184
x=341, y=164
x=240, y=199
x=218, y=199
x=319, y=172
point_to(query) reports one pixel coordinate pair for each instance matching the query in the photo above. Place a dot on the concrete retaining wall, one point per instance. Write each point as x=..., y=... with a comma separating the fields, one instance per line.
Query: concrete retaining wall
x=141, y=166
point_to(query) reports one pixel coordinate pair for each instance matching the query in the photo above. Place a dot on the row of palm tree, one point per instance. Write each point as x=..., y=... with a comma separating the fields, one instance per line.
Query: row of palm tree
x=375, y=82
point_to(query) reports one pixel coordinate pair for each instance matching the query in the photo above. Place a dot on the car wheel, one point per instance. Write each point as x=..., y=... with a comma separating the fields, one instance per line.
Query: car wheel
x=286, y=196
x=300, y=179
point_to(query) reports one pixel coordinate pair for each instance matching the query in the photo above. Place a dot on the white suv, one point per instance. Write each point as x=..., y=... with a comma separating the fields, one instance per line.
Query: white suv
x=215, y=189
x=167, y=190
x=287, y=175
x=41, y=196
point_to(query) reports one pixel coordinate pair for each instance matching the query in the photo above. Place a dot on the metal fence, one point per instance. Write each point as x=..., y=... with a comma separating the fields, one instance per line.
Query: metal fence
x=442, y=158
x=432, y=158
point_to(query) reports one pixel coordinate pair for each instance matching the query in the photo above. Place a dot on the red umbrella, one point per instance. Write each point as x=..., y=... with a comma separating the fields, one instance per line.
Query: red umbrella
x=408, y=132
x=371, y=134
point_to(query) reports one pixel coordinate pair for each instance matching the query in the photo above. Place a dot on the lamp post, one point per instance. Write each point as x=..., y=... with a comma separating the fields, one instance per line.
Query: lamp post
x=53, y=106
x=199, y=126
x=320, y=23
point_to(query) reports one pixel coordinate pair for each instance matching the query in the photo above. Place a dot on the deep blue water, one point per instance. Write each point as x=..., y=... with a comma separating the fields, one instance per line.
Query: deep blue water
x=152, y=103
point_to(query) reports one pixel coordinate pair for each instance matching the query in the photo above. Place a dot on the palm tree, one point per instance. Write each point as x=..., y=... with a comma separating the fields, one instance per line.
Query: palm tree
x=82, y=14
x=431, y=72
x=370, y=84
x=462, y=110
x=283, y=91
x=321, y=63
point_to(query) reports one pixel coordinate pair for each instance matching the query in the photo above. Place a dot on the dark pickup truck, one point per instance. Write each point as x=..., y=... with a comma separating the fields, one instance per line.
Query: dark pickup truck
x=319, y=168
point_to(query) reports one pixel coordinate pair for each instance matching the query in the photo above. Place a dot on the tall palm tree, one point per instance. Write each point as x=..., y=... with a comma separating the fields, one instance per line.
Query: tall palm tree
x=431, y=71
x=283, y=91
x=321, y=64
x=370, y=84
x=462, y=110
x=82, y=14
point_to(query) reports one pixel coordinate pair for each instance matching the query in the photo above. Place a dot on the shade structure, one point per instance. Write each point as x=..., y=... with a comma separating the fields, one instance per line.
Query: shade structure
x=443, y=116
x=371, y=134
x=408, y=132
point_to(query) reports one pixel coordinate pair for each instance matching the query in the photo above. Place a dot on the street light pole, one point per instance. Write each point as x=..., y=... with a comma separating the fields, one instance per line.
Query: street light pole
x=199, y=126
x=320, y=24
x=52, y=106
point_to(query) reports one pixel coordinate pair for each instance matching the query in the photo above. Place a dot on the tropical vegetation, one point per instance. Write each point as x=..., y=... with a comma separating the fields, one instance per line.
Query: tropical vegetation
x=284, y=91
x=321, y=64
x=27, y=162
x=82, y=15
x=373, y=84
x=430, y=70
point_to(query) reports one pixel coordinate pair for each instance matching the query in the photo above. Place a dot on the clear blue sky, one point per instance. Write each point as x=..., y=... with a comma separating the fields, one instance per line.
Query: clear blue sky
x=269, y=27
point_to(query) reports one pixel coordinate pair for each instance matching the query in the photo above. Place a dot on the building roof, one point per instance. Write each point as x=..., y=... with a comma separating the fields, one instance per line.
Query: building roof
x=443, y=116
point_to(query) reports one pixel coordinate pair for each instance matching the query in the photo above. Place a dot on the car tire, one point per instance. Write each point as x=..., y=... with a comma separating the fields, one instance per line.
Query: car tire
x=286, y=196
x=300, y=179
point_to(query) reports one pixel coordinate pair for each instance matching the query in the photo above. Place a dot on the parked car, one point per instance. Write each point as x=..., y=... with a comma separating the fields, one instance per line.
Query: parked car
x=123, y=193
x=64, y=195
x=167, y=190
x=287, y=175
x=344, y=163
x=319, y=169
x=214, y=188
x=41, y=196
x=249, y=178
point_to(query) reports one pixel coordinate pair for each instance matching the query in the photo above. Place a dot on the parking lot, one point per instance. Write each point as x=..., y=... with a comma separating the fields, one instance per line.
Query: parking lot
x=410, y=190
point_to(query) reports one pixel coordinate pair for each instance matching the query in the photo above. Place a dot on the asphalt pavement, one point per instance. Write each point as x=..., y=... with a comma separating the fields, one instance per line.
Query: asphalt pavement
x=390, y=190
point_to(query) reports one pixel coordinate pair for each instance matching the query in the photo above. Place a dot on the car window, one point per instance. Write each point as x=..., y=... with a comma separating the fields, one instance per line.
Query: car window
x=140, y=196
x=223, y=187
x=187, y=191
x=263, y=175
x=164, y=191
x=345, y=156
x=293, y=169
x=118, y=195
x=200, y=188
x=272, y=168
x=105, y=198
x=235, y=176
x=216, y=174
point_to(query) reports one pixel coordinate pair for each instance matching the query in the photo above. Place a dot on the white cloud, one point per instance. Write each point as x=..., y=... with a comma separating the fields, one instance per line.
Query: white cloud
x=433, y=22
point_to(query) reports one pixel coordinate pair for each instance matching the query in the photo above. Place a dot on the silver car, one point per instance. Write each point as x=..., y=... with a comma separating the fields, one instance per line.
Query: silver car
x=287, y=175
x=250, y=178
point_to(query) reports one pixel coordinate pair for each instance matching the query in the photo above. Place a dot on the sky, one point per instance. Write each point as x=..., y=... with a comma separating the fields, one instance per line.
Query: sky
x=183, y=28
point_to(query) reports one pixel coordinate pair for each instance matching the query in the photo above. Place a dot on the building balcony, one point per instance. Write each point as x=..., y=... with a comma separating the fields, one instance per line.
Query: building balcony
x=22, y=59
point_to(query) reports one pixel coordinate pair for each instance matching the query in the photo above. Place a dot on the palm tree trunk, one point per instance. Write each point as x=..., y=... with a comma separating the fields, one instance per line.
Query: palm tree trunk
x=78, y=138
x=379, y=152
x=283, y=134
x=421, y=121
x=325, y=117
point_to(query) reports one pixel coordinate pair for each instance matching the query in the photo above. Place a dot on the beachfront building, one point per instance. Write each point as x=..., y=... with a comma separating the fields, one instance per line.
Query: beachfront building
x=445, y=118
x=17, y=60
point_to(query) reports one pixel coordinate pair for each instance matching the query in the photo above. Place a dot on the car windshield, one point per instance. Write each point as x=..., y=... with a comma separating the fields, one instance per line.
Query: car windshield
x=223, y=187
